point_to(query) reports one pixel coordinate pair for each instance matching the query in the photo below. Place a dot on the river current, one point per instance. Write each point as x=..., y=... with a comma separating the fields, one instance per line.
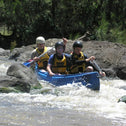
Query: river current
x=69, y=105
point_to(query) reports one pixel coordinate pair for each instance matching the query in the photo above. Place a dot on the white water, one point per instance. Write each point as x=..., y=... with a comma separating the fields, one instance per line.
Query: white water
x=69, y=97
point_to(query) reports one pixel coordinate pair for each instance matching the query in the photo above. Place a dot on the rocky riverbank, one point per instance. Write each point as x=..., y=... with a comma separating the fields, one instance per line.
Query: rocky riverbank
x=111, y=57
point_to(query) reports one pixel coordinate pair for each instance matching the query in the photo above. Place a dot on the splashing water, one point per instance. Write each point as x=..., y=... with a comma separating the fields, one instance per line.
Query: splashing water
x=75, y=97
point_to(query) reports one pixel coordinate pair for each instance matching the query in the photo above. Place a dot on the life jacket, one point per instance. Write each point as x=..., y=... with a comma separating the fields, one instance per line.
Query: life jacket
x=42, y=63
x=77, y=67
x=59, y=65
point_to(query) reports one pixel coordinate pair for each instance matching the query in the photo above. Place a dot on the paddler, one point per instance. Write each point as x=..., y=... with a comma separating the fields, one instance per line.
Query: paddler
x=80, y=62
x=59, y=62
x=41, y=48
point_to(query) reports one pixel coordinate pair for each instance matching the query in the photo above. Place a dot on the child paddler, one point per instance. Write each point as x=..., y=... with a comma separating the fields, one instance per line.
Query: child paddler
x=59, y=62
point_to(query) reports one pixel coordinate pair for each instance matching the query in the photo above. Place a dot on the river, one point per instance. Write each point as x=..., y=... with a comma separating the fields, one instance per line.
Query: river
x=69, y=105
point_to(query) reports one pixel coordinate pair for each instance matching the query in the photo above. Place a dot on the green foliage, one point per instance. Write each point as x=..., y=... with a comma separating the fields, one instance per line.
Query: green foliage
x=74, y=36
x=5, y=31
x=103, y=19
x=13, y=45
x=119, y=35
x=103, y=30
x=112, y=26
x=110, y=31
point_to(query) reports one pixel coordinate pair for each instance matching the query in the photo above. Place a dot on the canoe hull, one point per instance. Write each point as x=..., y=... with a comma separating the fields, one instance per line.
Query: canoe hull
x=90, y=80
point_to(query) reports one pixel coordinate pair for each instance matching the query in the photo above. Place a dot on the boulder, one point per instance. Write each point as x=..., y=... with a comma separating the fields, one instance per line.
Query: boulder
x=20, y=78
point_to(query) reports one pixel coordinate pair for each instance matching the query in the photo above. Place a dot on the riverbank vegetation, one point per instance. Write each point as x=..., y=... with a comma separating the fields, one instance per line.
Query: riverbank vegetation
x=94, y=19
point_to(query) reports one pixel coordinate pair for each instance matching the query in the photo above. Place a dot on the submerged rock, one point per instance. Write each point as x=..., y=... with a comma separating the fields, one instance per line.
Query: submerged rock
x=122, y=99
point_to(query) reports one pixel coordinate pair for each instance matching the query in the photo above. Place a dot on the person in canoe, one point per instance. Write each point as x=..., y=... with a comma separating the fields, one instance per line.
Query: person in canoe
x=59, y=62
x=80, y=62
x=41, y=49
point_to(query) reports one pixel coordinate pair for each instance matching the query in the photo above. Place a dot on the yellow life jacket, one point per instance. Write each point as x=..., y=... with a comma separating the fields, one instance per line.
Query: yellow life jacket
x=76, y=67
x=42, y=63
x=59, y=65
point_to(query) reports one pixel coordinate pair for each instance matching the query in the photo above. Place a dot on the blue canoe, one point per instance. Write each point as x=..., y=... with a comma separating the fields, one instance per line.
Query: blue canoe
x=90, y=80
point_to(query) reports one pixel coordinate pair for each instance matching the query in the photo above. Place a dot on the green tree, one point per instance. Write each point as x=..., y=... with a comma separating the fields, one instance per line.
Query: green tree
x=103, y=19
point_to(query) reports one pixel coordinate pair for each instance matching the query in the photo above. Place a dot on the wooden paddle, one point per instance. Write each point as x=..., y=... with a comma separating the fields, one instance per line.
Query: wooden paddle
x=31, y=61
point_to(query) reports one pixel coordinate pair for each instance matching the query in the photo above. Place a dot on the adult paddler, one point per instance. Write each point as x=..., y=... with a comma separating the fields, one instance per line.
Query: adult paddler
x=41, y=48
x=80, y=62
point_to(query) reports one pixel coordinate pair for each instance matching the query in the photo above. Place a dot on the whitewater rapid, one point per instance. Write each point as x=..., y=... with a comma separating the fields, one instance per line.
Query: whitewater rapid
x=75, y=97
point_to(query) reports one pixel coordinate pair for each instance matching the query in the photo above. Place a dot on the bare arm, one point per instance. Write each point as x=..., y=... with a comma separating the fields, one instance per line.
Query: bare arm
x=49, y=70
x=90, y=59
x=34, y=55
x=65, y=41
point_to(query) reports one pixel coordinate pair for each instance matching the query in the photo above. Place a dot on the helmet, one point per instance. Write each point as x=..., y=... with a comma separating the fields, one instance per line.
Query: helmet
x=77, y=44
x=60, y=44
x=40, y=40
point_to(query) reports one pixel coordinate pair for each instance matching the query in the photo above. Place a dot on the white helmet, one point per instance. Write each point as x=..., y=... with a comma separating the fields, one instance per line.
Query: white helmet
x=40, y=40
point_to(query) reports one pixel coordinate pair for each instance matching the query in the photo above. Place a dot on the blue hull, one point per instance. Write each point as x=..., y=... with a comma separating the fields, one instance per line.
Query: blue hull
x=90, y=80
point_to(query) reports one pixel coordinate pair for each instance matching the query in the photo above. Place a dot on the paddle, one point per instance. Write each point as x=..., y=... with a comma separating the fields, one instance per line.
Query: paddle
x=31, y=61
x=96, y=66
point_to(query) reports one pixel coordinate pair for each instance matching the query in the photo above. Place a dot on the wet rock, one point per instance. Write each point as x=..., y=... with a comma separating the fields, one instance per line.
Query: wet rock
x=122, y=99
x=121, y=72
x=13, y=84
x=19, y=77
x=110, y=72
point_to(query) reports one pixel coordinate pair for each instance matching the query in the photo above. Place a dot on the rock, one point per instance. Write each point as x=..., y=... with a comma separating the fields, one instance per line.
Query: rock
x=121, y=72
x=1, y=50
x=13, y=84
x=20, y=78
x=22, y=72
x=4, y=53
x=122, y=99
x=110, y=72
x=22, y=54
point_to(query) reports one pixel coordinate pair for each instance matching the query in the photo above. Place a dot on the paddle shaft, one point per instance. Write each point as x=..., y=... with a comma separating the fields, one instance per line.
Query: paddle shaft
x=96, y=65
x=42, y=54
